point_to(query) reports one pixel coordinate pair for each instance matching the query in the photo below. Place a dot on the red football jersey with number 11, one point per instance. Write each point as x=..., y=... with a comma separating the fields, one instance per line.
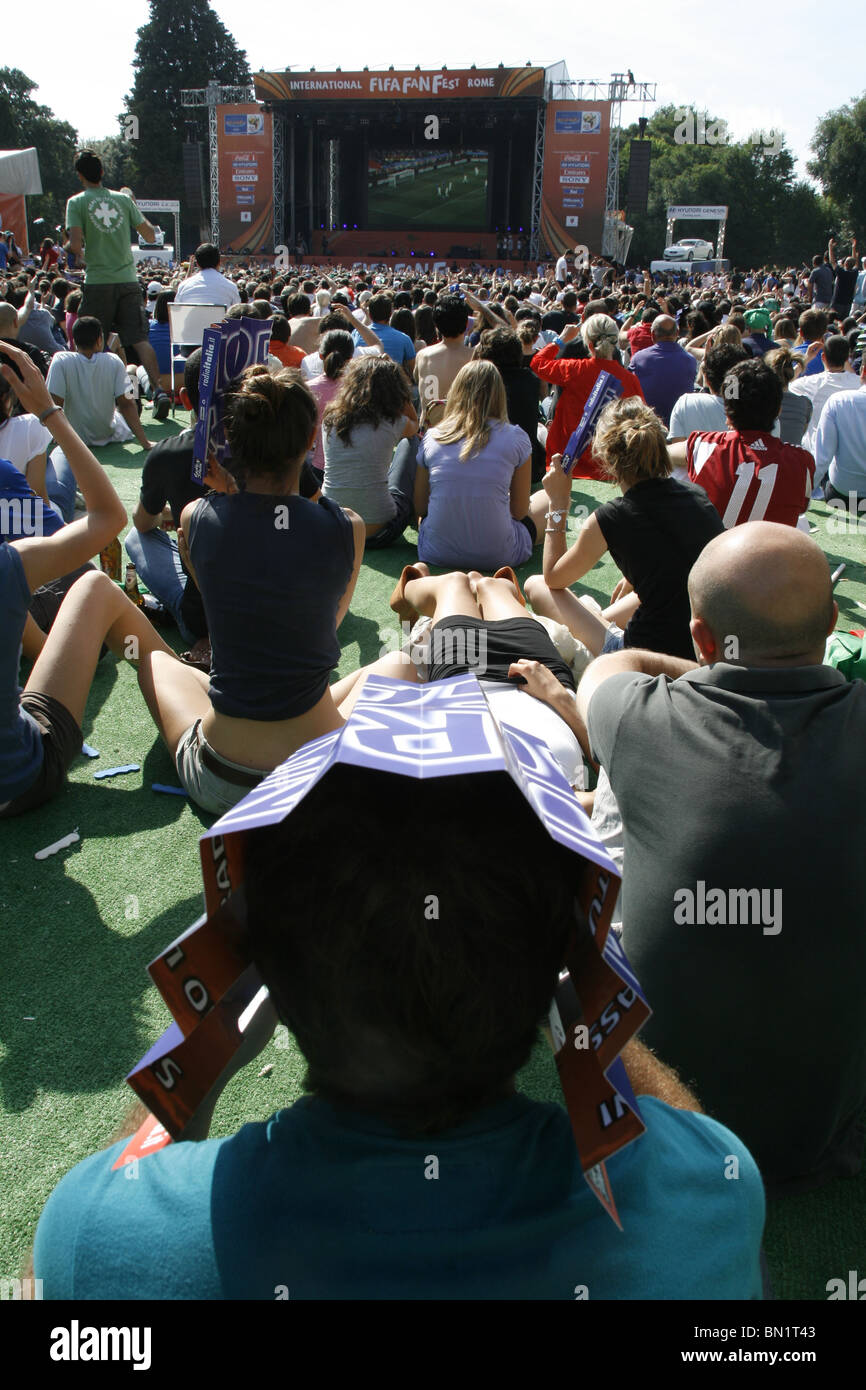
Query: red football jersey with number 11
x=750, y=475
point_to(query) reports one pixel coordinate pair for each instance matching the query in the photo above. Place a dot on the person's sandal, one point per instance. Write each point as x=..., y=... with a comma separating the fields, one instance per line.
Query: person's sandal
x=199, y=656
x=398, y=601
x=506, y=572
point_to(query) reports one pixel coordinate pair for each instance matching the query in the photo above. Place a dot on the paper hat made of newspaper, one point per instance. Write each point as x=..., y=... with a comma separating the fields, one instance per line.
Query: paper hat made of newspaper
x=443, y=729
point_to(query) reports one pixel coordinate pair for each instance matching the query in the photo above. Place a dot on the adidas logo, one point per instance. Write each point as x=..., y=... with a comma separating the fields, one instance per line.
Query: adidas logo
x=759, y=445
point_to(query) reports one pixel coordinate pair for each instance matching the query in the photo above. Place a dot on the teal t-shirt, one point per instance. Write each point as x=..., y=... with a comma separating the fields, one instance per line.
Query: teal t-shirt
x=318, y=1203
x=108, y=221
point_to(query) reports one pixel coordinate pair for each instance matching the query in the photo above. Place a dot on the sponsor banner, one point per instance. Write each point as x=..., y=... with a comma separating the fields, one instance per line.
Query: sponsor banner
x=412, y=86
x=246, y=180
x=696, y=213
x=574, y=175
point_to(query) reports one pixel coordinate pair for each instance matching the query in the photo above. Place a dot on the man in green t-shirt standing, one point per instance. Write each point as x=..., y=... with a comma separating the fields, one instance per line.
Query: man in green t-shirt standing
x=100, y=223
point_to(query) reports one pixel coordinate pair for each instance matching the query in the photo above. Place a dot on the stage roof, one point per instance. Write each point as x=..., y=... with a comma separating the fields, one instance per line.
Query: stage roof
x=433, y=84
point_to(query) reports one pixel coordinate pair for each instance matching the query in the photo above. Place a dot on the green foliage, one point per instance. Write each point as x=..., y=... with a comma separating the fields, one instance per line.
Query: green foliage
x=180, y=46
x=773, y=218
x=23, y=122
x=840, y=165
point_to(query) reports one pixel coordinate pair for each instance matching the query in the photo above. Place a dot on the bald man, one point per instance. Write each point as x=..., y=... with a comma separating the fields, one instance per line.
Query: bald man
x=665, y=370
x=740, y=779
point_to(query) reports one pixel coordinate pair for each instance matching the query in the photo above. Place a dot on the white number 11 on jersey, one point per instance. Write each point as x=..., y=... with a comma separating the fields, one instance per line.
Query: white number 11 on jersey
x=766, y=483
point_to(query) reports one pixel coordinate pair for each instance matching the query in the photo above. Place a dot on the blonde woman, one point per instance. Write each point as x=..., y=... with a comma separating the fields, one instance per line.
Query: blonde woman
x=473, y=480
x=655, y=531
x=577, y=377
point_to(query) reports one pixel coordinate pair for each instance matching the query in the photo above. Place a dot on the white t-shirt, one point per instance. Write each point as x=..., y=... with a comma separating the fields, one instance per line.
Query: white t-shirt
x=561, y=270
x=21, y=439
x=696, y=411
x=208, y=287
x=89, y=387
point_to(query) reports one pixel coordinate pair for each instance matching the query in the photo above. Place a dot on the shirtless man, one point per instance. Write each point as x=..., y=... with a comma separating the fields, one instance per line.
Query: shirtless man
x=437, y=366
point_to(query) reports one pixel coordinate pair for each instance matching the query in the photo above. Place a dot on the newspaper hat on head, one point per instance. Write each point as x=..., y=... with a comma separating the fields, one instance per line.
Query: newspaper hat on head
x=444, y=729
x=758, y=318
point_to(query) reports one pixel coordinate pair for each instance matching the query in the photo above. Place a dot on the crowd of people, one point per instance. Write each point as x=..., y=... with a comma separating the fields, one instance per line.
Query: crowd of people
x=726, y=756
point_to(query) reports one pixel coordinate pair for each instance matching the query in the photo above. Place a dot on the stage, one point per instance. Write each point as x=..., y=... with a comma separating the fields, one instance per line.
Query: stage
x=463, y=165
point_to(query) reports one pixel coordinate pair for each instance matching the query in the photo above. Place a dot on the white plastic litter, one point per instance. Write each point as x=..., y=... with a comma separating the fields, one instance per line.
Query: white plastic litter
x=58, y=845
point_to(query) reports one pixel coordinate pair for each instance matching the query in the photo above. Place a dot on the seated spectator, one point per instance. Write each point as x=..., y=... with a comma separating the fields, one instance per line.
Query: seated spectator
x=719, y=915
x=474, y=478
x=812, y=327
x=665, y=370
x=36, y=326
x=23, y=442
x=502, y=347
x=699, y=410
x=281, y=333
x=40, y=733
x=10, y=327
x=399, y=347
x=759, y=338
x=361, y=428
x=840, y=445
x=817, y=388
x=93, y=387
x=576, y=378
x=337, y=349
x=247, y=549
x=204, y=284
x=72, y=309
x=747, y=473
x=341, y=319
x=654, y=532
x=796, y=411
x=166, y=488
x=330, y=1184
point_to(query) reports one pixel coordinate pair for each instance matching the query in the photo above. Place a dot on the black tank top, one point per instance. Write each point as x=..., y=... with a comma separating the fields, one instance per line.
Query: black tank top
x=272, y=571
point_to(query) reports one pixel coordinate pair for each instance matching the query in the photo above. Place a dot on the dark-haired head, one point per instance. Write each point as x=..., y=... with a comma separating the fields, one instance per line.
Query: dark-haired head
x=475, y=978
x=752, y=393
x=501, y=346
x=335, y=350
x=89, y=166
x=270, y=422
x=372, y=389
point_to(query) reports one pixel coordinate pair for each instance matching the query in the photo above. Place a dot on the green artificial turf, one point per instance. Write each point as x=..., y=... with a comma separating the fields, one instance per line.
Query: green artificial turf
x=76, y=1007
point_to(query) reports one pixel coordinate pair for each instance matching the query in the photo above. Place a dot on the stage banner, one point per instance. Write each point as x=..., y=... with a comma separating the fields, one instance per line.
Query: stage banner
x=246, y=178
x=407, y=86
x=576, y=139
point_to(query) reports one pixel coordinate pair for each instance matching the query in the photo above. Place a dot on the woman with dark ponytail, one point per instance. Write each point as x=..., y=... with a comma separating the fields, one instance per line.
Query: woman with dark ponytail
x=337, y=348
x=276, y=574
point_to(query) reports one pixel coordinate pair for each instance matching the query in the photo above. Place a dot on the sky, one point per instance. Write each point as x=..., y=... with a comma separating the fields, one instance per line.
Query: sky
x=707, y=58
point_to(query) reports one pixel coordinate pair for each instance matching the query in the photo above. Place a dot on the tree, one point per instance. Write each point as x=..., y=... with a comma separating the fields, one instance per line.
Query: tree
x=772, y=218
x=180, y=46
x=840, y=146
x=23, y=122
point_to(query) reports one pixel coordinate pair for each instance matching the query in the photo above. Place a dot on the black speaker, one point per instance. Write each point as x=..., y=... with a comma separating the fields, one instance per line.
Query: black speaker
x=193, y=176
x=637, y=192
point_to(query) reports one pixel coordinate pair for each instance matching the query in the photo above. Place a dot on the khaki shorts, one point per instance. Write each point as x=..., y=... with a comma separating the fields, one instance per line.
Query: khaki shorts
x=61, y=744
x=214, y=783
x=120, y=309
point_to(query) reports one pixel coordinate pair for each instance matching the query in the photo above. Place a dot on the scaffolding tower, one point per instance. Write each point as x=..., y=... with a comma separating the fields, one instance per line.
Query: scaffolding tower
x=212, y=96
